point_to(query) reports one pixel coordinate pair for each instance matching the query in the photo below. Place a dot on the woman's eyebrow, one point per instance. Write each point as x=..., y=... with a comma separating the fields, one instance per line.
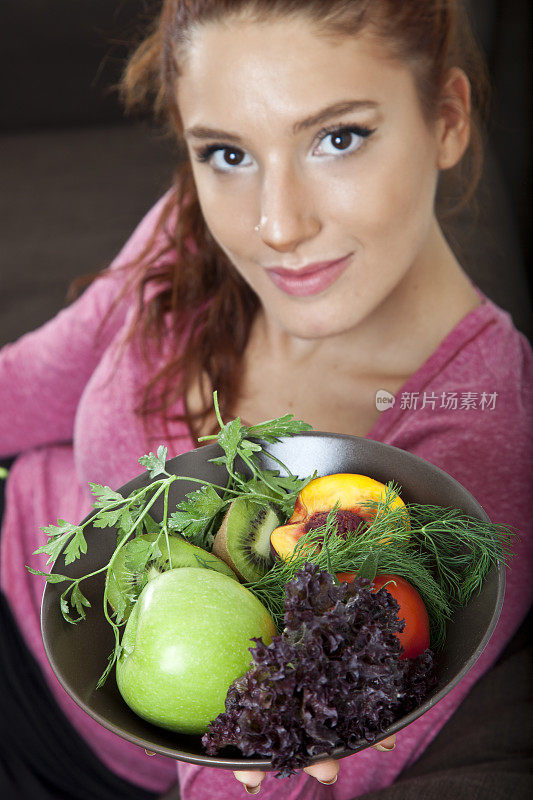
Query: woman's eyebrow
x=343, y=107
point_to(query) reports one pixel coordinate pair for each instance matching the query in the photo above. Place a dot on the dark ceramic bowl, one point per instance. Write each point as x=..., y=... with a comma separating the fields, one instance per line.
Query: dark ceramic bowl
x=78, y=653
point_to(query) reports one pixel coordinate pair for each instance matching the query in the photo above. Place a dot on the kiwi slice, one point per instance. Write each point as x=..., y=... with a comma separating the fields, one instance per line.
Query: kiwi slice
x=243, y=539
x=127, y=581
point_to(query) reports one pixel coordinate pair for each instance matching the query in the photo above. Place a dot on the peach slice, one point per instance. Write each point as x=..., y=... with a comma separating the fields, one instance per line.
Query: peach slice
x=316, y=499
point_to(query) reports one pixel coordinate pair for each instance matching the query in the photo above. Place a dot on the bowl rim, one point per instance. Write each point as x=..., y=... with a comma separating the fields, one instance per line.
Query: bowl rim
x=264, y=764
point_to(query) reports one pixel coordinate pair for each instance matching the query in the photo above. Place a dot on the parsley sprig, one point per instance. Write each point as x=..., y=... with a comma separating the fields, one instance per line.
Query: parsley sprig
x=194, y=517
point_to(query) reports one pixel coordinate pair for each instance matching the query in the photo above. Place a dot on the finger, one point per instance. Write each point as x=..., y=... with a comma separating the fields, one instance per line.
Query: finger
x=250, y=779
x=386, y=745
x=325, y=771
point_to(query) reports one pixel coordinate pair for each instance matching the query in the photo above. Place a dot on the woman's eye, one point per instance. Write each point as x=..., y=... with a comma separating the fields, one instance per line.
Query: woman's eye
x=341, y=141
x=224, y=159
x=331, y=142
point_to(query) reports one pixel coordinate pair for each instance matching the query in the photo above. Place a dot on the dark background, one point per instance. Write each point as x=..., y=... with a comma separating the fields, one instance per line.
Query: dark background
x=77, y=176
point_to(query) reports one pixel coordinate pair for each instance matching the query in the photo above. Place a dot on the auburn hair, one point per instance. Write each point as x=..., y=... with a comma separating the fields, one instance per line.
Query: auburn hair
x=193, y=282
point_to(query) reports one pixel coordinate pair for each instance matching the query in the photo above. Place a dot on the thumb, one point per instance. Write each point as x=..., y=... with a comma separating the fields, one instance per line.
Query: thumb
x=386, y=745
x=250, y=779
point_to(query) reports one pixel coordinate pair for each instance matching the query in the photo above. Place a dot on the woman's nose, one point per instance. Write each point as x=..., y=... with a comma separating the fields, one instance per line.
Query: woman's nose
x=288, y=216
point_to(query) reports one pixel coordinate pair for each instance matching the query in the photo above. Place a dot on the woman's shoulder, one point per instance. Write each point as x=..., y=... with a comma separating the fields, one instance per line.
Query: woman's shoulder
x=503, y=351
x=483, y=354
x=468, y=409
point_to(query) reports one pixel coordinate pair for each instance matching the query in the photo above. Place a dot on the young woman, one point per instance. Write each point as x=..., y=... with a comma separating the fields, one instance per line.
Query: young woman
x=297, y=264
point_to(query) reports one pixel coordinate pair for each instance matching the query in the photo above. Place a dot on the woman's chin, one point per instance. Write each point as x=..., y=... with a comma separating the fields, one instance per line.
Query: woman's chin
x=314, y=324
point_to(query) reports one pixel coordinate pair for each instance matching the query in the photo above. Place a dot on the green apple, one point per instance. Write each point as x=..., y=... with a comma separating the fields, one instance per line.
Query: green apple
x=186, y=641
x=123, y=580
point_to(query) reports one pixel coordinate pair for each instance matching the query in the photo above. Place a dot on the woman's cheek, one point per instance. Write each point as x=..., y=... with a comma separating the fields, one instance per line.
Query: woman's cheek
x=400, y=203
x=222, y=211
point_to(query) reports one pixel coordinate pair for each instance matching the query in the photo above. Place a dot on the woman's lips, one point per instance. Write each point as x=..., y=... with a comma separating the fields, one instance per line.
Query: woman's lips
x=310, y=280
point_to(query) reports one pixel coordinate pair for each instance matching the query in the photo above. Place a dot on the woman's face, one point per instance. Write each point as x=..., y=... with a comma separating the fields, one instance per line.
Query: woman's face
x=322, y=142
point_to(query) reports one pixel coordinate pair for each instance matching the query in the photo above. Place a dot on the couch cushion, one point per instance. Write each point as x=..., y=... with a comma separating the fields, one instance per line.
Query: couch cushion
x=69, y=201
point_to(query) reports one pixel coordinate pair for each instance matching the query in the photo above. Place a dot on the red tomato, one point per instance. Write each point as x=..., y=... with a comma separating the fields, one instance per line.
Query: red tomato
x=415, y=636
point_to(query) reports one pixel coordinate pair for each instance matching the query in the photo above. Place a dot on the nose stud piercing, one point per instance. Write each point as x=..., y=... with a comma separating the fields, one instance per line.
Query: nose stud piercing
x=257, y=228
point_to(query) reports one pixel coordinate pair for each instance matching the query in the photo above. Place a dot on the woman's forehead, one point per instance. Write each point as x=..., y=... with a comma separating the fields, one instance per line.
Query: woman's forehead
x=286, y=68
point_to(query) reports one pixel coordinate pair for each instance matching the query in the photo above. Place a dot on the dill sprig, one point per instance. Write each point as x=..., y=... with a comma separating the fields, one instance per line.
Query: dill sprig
x=443, y=552
x=463, y=548
x=334, y=553
x=460, y=549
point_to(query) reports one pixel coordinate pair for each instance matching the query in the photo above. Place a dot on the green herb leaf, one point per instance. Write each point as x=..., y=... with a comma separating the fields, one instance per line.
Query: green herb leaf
x=369, y=567
x=59, y=536
x=150, y=525
x=155, y=464
x=289, y=483
x=284, y=489
x=140, y=552
x=79, y=601
x=218, y=460
x=111, y=659
x=60, y=530
x=258, y=487
x=65, y=610
x=195, y=513
x=274, y=429
x=105, y=495
x=121, y=600
x=336, y=581
x=76, y=546
x=229, y=439
x=50, y=577
x=108, y=519
x=249, y=448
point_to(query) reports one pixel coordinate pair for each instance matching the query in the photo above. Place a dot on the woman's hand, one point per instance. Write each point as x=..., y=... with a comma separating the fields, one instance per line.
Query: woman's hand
x=325, y=771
